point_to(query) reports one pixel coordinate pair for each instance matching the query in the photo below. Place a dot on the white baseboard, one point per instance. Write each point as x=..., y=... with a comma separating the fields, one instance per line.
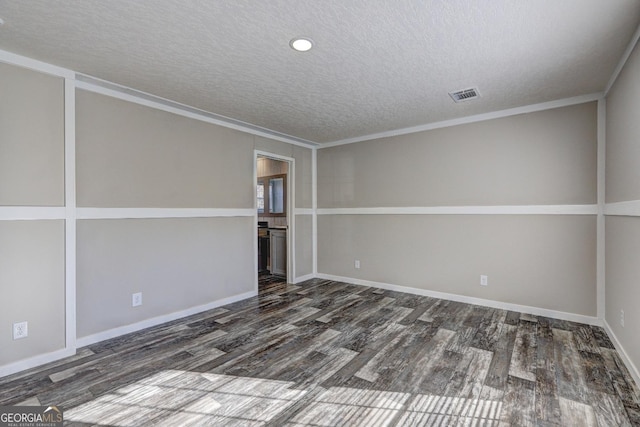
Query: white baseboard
x=623, y=354
x=35, y=361
x=590, y=320
x=134, y=327
x=303, y=278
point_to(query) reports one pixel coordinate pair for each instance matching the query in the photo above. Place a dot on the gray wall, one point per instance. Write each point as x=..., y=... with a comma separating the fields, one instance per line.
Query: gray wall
x=546, y=261
x=134, y=156
x=31, y=138
x=175, y=263
x=548, y=157
x=304, y=245
x=33, y=288
x=623, y=184
x=541, y=261
x=32, y=260
x=127, y=156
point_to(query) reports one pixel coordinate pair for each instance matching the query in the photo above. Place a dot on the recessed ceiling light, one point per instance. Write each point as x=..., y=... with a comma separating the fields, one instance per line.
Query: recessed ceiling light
x=301, y=44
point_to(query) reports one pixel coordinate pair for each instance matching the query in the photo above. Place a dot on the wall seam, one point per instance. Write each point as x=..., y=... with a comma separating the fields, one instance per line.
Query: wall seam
x=314, y=207
x=70, y=214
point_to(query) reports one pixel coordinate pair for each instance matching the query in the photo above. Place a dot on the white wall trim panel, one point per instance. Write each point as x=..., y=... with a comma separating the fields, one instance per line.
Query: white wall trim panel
x=130, y=213
x=303, y=211
x=134, y=327
x=589, y=320
x=152, y=101
x=314, y=206
x=303, y=278
x=628, y=208
x=468, y=210
x=623, y=61
x=256, y=282
x=600, y=222
x=70, y=214
x=472, y=119
x=17, y=213
x=633, y=369
x=291, y=232
x=35, y=361
x=35, y=65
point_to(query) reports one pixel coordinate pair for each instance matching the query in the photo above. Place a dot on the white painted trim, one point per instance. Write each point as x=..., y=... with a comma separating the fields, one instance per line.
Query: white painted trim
x=304, y=278
x=623, y=61
x=35, y=65
x=70, y=214
x=256, y=284
x=590, y=320
x=275, y=156
x=314, y=206
x=303, y=211
x=471, y=119
x=35, y=361
x=628, y=208
x=468, y=210
x=127, y=213
x=148, y=323
x=600, y=222
x=158, y=103
x=17, y=213
x=291, y=233
x=633, y=369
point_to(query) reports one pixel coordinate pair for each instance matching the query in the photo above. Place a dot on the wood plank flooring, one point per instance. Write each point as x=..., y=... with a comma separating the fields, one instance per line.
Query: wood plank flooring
x=324, y=353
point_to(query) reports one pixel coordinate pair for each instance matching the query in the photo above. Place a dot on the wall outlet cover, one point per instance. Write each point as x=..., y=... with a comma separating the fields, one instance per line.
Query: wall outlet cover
x=20, y=330
x=136, y=299
x=357, y=263
x=484, y=280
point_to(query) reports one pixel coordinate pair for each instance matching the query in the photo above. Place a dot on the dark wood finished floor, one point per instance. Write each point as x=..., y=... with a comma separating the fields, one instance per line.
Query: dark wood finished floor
x=326, y=354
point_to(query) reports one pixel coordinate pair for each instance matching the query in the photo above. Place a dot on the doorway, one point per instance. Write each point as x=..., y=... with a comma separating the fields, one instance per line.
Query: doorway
x=274, y=215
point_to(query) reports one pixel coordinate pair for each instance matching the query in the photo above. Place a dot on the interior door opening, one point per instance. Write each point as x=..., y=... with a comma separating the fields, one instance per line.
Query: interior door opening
x=274, y=215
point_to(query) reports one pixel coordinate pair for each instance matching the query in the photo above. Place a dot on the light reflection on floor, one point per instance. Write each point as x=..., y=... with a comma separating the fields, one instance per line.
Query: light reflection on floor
x=189, y=398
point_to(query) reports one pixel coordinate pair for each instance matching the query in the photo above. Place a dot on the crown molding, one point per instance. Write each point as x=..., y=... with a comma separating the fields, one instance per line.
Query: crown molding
x=124, y=93
x=582, y=99
x=35, y=65
x=623, y=61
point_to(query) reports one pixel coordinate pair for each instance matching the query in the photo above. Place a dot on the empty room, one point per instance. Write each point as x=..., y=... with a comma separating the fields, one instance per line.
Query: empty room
x=320, y=213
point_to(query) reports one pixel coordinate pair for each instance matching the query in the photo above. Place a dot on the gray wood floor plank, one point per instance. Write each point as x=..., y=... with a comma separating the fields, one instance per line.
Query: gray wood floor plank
x=585, y=340
x=489, y=330
x=547, y=403
x=577, y=414
x=473, y=370
x=524, y=356
x=504, y=342
x=518, y=407
x=572, y=384
x=324, y=352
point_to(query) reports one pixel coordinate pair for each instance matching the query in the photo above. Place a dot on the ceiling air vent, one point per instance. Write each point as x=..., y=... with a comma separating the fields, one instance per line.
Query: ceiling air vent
x=464, y=95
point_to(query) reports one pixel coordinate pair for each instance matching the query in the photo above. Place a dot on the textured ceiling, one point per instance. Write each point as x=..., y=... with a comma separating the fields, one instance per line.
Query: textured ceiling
x=377, y=65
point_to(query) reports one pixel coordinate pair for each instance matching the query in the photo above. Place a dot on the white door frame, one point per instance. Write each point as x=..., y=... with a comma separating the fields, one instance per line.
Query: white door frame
x=291, y=229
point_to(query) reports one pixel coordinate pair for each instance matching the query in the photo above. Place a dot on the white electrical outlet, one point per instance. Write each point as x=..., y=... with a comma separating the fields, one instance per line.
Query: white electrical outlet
x=20, y=330
x=622, y=318
x=356, y=264
x=136, y=299
x=484, y=280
